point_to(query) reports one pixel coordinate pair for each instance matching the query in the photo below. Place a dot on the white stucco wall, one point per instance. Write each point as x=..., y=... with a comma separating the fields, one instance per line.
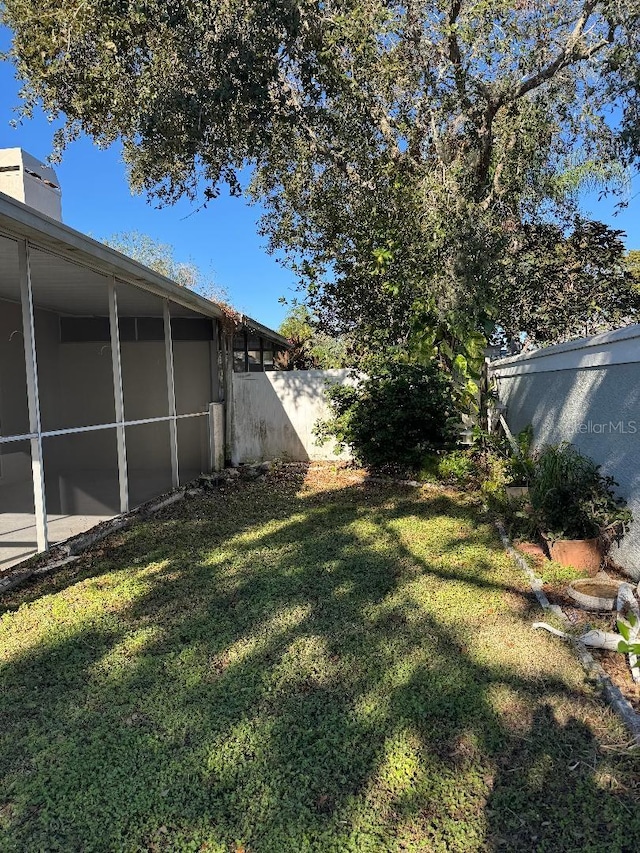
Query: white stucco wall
x=586, y=392
x=275, y=413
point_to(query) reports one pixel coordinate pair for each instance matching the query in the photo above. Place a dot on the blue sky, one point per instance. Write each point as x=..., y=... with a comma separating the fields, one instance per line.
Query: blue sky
x=221, y=239
x=96, y=200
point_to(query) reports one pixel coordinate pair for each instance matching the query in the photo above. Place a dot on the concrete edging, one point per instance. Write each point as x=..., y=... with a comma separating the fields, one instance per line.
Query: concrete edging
x=614, y=696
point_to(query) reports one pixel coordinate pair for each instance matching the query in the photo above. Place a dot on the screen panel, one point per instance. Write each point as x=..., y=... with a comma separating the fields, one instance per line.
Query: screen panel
x=192, y=361
x=144, y=366
x=14, y=408
x=193, y=448
x=148, y=461
x=18, y=538
x=75, y=377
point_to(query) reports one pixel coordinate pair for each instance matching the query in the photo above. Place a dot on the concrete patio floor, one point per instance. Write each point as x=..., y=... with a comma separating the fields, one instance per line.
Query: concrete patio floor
x=91, y=493
x=18, y=533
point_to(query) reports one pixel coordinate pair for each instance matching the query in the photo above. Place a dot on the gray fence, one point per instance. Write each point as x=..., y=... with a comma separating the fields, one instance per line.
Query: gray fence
x=586, y=392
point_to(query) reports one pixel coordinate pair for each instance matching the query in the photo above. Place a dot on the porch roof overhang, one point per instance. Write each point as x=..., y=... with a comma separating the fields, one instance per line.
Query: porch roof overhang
x=19, y=221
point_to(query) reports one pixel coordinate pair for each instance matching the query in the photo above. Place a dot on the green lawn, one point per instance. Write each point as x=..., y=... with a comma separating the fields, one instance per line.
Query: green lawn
x=292, y=666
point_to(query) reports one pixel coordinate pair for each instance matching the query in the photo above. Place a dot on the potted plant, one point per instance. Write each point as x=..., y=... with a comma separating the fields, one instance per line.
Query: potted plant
x=576, y=508
x=520, y=464
x=516, y=457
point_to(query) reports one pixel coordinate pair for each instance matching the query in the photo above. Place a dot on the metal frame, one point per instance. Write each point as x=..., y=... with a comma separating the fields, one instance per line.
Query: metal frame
x=36, y=435
x=31, y=364
x=71, y=430
x=116, y=362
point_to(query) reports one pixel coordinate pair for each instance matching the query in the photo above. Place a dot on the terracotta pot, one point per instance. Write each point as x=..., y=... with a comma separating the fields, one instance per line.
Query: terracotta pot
x=579, y=553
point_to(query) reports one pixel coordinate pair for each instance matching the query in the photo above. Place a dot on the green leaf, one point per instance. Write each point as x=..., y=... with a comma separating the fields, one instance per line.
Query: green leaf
x=471, y=388
x=624, y=629
x=475, y=345
x=446, y=350
x=460, y=364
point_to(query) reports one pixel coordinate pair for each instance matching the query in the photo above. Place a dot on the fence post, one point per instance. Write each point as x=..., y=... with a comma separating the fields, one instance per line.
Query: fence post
x=483, y=414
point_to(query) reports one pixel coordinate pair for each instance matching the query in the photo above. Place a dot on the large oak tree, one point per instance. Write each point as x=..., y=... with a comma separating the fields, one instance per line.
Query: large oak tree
x=400, y=148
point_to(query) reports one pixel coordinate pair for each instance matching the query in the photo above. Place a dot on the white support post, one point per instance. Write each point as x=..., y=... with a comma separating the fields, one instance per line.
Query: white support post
x=171, y=391
x=116, y=363
x=216, y=435
x=215, y=369
x=37, y=466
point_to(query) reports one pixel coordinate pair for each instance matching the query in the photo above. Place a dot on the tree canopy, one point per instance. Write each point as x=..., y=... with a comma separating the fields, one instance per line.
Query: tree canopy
x=311, y=347
x=401, y=149
x=558, y=285
x=632, y=262
x=161, y=257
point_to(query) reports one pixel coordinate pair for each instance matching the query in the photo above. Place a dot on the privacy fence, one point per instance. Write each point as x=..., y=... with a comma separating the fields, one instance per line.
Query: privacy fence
x=274, y=415
x=587, y=392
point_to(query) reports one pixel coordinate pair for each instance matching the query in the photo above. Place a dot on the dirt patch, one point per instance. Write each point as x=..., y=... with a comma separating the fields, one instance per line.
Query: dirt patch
x=532, y=549
x=617, y=668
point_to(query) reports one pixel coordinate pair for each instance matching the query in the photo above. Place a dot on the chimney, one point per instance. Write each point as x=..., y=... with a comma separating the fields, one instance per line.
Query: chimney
x=28, y=180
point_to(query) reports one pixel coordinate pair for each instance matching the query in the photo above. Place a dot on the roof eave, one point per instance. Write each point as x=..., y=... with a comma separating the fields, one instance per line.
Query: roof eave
x=21, y=221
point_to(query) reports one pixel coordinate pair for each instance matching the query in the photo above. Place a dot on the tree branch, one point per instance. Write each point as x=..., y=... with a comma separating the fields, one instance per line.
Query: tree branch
x=567, y=55
x=454, y=55
x=293, y=102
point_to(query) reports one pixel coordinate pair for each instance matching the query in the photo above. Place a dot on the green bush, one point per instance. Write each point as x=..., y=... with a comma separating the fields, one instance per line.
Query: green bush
x=495, y=474
x=572, y=499
x=469, y=468
x=430, y=468
x=393, y=417
x=458, y=467
x=521, y=465
x=518, y=465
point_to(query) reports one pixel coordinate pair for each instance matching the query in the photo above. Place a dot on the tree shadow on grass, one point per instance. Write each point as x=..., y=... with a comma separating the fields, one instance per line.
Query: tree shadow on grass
x=286, y=673
x=150, y=539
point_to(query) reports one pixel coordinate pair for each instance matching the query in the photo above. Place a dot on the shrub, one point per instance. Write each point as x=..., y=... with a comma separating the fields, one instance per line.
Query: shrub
x=458, y=467
x=521, y=464
x=518, y=464
x=469, y=468
x=393, y=417
x=495, y=474
x=572, y=499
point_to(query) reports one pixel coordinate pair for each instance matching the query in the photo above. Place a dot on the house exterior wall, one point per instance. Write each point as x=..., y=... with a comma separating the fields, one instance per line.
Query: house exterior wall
x=588, y=393
x=275, y=413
